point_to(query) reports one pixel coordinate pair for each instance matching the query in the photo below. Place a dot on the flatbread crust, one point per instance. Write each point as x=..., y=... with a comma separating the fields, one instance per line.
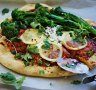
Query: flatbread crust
x=7, y=59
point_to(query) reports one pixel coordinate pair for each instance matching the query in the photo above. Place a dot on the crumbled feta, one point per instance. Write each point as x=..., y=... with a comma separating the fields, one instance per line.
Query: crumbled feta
x=51, y=33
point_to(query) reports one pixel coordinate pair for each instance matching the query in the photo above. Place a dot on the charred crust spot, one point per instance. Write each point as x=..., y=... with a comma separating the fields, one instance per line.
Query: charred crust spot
x=2, y=43
x=51, y=71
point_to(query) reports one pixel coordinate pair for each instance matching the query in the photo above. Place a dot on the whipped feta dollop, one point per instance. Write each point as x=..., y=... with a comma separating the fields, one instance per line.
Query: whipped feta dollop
x=51, y=33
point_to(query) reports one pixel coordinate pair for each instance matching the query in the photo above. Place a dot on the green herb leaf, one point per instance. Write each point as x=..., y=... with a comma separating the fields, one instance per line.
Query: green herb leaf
x=26, y=63
x=4, y=11
x=32, y=48
x=90, y=53
x=59, y=30
x=13, y=51
x=26, y=56
x=18, y=56
x=7, y=77
x=18, y=83
x=59, y=33
x=10, y=79
x=41, y=29
x=46, y=45
x=40, y=62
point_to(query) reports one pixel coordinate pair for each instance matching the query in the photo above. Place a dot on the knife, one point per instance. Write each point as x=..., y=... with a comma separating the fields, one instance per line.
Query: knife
x=89, y=79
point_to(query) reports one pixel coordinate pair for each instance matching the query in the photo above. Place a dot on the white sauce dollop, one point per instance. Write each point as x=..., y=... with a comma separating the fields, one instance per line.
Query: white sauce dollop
x=51, y=32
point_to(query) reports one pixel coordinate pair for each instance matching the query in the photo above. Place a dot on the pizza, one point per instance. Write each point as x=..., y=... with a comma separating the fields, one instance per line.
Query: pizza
x=37, y=35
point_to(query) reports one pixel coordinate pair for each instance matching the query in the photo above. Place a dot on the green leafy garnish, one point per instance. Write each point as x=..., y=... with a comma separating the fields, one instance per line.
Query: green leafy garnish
x=90, y=53
x=18, y=83
x=59, y=33
x=26, y=56
x=26, y=63
x=18, y=56
x=34, y=49
x=59, y=30
x=7, y=77
x=40, y=62
x=10, y=79
x=76, y=82
x=46, y=45
x=4, y=11
x=13, y=51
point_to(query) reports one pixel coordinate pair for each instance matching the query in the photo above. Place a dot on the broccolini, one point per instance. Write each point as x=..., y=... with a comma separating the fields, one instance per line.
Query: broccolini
x=9, y=29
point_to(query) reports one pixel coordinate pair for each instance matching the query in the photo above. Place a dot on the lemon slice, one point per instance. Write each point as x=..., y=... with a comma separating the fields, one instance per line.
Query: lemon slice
x=31, y=36
x=53, y=53
x=68, y=42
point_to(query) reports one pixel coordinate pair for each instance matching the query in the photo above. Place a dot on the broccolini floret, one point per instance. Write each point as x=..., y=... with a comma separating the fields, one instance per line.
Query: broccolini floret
x=24, y=17
x=9, y=29
x=20, y=15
